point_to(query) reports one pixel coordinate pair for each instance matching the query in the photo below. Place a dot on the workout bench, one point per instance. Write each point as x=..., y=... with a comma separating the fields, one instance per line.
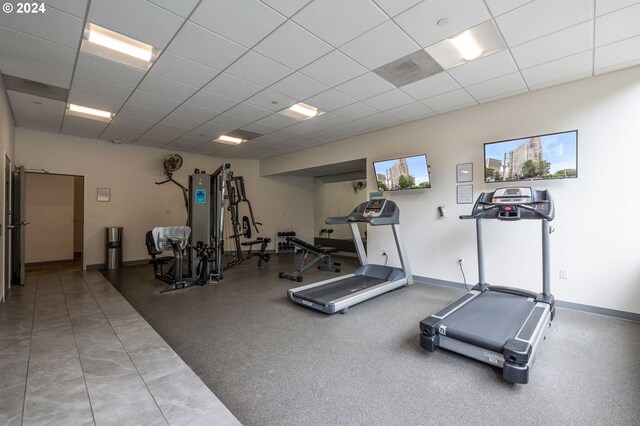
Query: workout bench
x=262, y=256
x=319, y=253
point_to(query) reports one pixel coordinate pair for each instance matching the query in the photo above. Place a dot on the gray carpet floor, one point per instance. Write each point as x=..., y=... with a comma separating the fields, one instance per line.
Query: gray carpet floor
x=272, y=362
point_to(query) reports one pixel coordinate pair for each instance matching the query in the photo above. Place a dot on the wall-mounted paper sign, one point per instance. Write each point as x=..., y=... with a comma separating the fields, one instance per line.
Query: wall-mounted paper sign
x=104, y=195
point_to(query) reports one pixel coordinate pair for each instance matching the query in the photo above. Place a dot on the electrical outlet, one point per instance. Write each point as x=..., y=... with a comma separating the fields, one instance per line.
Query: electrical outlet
x=564, y=274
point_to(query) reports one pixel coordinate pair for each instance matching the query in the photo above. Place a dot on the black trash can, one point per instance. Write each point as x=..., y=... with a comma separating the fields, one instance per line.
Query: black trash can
x=114, y=248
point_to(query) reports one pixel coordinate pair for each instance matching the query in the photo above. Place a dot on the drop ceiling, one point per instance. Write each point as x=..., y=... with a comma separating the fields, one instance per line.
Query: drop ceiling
x=233, y=64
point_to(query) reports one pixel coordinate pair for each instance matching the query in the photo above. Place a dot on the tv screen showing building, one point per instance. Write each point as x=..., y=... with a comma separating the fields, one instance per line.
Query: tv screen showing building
x=402, y=173
x=552, y=156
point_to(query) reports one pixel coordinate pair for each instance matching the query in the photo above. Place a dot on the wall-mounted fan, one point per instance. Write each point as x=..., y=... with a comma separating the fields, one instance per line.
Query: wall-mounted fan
x=172, y=163
x=359, y=185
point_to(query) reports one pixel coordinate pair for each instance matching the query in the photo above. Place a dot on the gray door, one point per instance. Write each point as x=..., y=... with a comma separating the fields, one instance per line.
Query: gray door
x=8, y=176
x=19, y=223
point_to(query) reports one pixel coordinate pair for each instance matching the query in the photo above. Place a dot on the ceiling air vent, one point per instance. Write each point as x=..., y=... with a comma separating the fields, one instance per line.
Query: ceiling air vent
x=35, y=88
x=408, y=69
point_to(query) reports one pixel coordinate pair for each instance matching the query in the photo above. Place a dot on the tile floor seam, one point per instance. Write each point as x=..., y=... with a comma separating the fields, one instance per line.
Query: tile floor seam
x=26, y=377
x=73, y=331
x=127, y=351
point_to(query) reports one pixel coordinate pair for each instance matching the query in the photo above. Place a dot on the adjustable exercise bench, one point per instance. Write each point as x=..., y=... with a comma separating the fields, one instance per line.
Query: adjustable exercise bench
x=319, y=253
x=172, y=238
x=262, y=256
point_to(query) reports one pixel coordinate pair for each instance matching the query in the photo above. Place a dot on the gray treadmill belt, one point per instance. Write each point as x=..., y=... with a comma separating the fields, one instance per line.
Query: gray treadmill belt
x=335, y=290
x=489, y=320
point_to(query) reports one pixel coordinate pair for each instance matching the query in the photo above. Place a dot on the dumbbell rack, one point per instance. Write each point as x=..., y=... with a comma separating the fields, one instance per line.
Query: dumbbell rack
x=282, y=246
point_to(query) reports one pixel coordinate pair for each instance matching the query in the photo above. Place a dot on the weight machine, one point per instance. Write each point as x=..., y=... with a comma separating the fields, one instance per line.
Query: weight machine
x=212, y=198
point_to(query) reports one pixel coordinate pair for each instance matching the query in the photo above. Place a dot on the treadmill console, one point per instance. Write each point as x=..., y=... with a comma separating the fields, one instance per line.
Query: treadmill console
x=374, y=207
x=512, y=196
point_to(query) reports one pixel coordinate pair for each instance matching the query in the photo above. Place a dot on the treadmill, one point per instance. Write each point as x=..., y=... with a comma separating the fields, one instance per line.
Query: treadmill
x=501, y=326
x=338, y=294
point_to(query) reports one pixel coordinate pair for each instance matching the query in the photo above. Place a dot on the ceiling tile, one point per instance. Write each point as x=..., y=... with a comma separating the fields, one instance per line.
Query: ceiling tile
x=181, y=8
x=145, y=140
x=211, y=101
x=617, y=55
x=304, y=127
x=231, y=87
x=287, y=7
x=184, y=144
x=248, y=113
x=292, y=46
x=618, y=25
x=164, y=133
x=126, y=120
x=284, y=135
x=150, y=101
x=122, y=133
x=498, y=7
x=160, y=86
x=189, y=116
x=412, y=111
x=542, y=17
x=565, y=69
x=109, y=71
x=497, y=86
x=277, y=120
x=503, y=95
x=365, y=86
x=355, y=111
x=270, y=100
x=145, y=114
x=448, y=101
x=258, y=69
x=242, y=21
x=259, y=128
x=431, y=86
x=330, y=100
x=30, y=108
x=394, y=7
x=333, y=69
x=379, y=46
x=74, y=7
x=105, y=103
x=329, y=120
x=377, y=121
x=23, y=46
x=603, y=7
x=85, y=127
x=420, y=22
x=231, y=121
x=485, y=68
x=388, y=100
x=205, y=149
x=333, y=20
x=99, y=88
x=298, y=86
x=176, y=68
x=138, y=19
x=554, y=46
x=209, y=131
x=52, y=25
x=205, y=47
x=34, y=71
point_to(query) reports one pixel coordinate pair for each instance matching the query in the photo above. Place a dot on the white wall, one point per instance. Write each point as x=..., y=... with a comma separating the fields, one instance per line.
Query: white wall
x=7, y=144
x=336, y=199
x=137, y=204
x=49, y=211
x=597, y=231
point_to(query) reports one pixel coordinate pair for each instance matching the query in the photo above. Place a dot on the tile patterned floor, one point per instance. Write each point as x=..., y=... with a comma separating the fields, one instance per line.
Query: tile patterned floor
x=74, y=352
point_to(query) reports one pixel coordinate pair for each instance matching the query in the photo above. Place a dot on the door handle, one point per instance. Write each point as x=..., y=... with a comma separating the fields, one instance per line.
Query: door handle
x=11, y=227
x=24, y=222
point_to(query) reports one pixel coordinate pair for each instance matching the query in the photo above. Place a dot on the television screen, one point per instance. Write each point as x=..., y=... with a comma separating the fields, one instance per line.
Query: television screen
x=552, y=156
x=402, y=173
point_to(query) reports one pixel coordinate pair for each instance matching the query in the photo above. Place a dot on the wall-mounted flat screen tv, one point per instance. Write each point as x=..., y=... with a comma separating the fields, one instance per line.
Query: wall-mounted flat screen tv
x=551, y=156
x=402, y=173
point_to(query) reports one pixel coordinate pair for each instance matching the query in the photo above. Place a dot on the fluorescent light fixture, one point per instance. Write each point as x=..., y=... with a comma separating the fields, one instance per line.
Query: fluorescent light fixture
x=230, y=140
x=117, y=47
x=304, y=109
x=472, y=44
x=92, y=113
x=301, y=111
x=467, y=46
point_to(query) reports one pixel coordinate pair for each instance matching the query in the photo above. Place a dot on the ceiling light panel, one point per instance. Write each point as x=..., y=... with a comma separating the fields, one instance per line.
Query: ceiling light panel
x=229, y=140
x=301, y=111
x=117, y=47
x=474, y=43
x=87, y=112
